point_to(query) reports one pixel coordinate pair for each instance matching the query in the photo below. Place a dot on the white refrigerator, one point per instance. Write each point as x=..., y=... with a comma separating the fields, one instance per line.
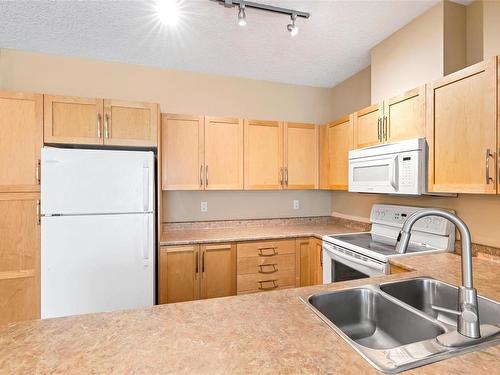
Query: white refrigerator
x=98, y=228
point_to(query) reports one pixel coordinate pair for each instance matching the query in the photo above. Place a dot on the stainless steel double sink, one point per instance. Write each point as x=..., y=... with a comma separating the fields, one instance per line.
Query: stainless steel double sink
x=393, y=325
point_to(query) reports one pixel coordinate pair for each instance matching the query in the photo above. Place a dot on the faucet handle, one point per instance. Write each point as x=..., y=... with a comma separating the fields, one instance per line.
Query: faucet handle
x=444, y=309
x=467, y=314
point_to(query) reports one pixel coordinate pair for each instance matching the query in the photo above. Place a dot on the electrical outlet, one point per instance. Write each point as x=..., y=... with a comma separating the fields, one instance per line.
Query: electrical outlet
x=296, y=204
x=204, y=206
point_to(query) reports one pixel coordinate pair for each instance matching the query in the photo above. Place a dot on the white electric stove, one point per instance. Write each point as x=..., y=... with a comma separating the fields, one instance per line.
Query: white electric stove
x=364, y=254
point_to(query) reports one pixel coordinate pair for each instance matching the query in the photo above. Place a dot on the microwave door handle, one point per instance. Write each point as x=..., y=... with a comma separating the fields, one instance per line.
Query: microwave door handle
x=394, y=173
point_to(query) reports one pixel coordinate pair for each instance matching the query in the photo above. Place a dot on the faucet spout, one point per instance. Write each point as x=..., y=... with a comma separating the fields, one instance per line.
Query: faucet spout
x=468, y=320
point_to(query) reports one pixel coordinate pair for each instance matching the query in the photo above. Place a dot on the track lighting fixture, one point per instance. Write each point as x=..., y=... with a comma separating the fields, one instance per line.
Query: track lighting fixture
x=291, y=27
x=243, y=4
x=242, y=16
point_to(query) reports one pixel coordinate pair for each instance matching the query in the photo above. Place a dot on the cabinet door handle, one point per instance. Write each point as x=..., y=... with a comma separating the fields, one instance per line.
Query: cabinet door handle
x=286, y=176
x=201, y=175
x=203, y=262
x=206, y=175
x=98, y=125
x=106, y=126
x=384, y=127
x=37, y=172
x=387, y=128
x=489, y=155
x=196, y=266
x=281, y=177
x=38, y=214
x=379, y=132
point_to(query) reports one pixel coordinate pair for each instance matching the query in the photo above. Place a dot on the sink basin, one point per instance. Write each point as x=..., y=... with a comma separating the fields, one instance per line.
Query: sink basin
x=393, y=326
x=421, y=293
x=372, y=320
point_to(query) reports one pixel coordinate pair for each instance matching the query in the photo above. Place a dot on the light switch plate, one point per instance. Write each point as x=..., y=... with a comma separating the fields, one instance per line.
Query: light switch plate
x=296, y=204
x=204, y=206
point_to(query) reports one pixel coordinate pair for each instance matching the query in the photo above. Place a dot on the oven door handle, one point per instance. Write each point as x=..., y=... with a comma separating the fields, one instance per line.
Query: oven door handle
x=371, y=264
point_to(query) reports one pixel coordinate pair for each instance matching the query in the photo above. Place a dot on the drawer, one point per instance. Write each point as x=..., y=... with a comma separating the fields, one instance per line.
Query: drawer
x=265, y=265
x=265, y=248
x=261, y=282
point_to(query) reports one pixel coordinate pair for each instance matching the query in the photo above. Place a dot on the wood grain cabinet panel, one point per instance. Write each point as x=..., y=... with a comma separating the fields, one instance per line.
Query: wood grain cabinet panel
x=182, y=152
x=462, y=130
x=178, y=274
x=223, y=153
x=73, y=120
x=21, y=126
x=301, y=153
x=311, y=264
x=19, y=257
x=130, y=123
x=263, y=154
x=218, y=270
x=367, y=126
x=340, y=141
x=404, y=116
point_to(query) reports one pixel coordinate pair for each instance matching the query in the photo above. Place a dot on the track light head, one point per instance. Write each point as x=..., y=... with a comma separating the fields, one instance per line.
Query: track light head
x=242, y=21
x=291, y=27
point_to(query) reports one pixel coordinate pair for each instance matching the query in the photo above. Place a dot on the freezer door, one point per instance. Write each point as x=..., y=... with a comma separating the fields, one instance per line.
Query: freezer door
x=96, y=263
x=76, y=181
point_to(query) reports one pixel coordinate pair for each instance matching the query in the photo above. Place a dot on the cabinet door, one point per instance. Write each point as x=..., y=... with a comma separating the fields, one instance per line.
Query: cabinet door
x=404, y=116
x=461, y=130
x=178, y=274
x=182, y=152
x=263, y=152
x=367, y=127
x=318, y=261
x=223, y=153
x=301, y=152
x=19, y=257
x=130, y=123
x=324, y=158
x=340, y=135
x=72, y=120
x=303, y=246
x=21, y=124
x=218, y=270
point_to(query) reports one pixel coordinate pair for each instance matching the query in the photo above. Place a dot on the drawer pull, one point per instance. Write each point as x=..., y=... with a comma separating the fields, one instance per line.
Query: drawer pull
x=262, y=268
x=263, y=249
x=274, y=286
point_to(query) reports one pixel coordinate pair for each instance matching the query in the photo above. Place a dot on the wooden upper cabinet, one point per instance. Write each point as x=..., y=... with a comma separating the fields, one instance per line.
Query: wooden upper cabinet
x=367, y=126
x=404, y=116
x=301, y=152
x=223, y=153
x=218, y=270
x=263, y=154
x=73, y=120
x=462, y=130
x=178, y=274
x=19, y=257
x=340, y=141
x=21, y=124
x=130, y=123
x=182, y=152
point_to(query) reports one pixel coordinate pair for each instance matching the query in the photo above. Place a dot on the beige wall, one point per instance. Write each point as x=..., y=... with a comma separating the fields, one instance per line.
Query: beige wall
x=491, y=31
x=226, y=205
x=455, y=40
x=183, y=92
x=474, y=32
x=351, y=95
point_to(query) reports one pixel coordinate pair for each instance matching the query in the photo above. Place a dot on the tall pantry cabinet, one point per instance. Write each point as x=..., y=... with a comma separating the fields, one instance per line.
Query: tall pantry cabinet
x=21, y=124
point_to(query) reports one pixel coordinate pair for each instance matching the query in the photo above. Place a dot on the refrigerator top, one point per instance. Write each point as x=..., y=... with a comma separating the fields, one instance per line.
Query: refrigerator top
x=83, y=181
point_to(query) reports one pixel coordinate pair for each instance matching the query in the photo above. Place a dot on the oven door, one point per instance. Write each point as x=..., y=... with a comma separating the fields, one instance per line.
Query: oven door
x=340, y=264
x=374, y=174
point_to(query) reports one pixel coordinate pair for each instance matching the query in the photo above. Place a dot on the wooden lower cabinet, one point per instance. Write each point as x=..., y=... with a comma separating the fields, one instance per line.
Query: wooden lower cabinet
x=190, y=272
x=19, y=257
x=311, y=261
x=267, y=265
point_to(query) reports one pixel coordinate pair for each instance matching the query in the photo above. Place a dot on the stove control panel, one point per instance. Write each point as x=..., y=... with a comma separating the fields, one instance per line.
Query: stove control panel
x=395, y=216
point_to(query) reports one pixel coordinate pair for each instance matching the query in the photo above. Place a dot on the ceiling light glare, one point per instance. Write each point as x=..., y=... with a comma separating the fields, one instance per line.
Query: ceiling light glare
x=291, y=27
x=242, y=21
x=168, y=12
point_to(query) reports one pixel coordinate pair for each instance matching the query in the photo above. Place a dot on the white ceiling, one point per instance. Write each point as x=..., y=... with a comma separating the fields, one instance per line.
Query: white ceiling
x=331, y=46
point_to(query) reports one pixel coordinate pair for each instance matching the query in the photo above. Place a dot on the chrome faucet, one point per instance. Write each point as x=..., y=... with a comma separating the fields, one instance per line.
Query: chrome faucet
x=467, y=316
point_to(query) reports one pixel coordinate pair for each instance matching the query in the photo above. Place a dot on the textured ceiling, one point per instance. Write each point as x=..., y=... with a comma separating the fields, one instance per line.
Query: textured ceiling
x=331, y=46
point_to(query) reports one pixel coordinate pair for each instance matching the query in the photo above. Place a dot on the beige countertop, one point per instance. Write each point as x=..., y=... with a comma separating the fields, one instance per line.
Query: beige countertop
x=273, y=332
x=259, y=230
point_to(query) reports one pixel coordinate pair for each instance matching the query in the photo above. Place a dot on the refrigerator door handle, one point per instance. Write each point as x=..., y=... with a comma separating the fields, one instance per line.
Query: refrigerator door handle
x=145, y=184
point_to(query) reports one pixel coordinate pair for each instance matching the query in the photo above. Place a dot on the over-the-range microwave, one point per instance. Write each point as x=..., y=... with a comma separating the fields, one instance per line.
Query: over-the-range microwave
x=391, y=168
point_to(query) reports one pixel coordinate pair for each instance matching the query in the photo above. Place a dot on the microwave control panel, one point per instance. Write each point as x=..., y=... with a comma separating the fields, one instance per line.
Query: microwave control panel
x=407, y=170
